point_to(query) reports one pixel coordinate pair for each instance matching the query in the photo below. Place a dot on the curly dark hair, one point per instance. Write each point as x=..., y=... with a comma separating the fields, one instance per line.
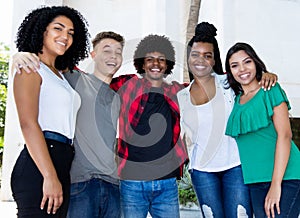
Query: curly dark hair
x=259, y=64
x=30, y=34
x=206, y=32
x=154, y=43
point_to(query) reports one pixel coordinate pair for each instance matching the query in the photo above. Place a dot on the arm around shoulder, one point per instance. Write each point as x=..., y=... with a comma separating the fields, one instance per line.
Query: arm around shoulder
x=118, y=82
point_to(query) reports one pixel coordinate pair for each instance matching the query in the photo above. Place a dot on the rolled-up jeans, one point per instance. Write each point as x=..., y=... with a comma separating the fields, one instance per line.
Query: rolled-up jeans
x=158, y=197
x=27, y=181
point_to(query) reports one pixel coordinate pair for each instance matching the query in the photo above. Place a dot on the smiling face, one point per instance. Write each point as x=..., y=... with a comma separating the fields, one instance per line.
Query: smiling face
x=58, y=36
x=242, y=68
x=107, y=56
x=155, y=66
x=201, y=59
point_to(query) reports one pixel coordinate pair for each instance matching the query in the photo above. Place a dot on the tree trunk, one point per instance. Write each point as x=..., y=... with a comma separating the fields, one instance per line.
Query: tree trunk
x=190, y=31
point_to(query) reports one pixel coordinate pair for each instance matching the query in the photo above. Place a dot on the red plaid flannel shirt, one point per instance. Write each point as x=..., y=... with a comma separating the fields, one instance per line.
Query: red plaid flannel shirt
x=133, y=93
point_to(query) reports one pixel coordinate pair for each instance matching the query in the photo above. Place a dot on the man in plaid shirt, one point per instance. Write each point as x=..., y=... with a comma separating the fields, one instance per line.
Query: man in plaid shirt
x=150, y=151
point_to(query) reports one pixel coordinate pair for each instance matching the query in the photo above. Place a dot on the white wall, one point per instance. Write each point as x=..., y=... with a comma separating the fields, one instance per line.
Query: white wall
x=135, y=19
x=271, y=27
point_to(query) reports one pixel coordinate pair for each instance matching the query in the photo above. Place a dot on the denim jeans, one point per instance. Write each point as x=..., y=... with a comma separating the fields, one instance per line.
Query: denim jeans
x=94, y=198
x=158, y=197
x=222, y=194
x=289, y=200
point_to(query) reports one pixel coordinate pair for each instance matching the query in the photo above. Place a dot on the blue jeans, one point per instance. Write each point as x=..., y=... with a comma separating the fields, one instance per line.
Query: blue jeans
x=158, y=197
x=222, y=194
x=289, y=199
x=94, y=198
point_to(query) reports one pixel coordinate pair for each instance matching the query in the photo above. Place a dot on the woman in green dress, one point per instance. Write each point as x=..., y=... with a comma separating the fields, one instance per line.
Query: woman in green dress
x=260, y=123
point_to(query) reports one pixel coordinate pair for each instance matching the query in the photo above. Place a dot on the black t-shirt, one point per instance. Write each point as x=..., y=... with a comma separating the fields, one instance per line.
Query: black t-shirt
x=150, y=147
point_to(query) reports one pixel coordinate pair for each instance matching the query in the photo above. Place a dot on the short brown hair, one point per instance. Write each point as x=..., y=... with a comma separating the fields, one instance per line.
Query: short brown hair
x=108, y=35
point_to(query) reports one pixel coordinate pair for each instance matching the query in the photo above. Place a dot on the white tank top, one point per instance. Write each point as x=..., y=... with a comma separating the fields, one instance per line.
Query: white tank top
x=58, y=103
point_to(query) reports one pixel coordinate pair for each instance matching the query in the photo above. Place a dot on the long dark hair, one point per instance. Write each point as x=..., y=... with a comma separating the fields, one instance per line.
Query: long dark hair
x=259, y=64
x=206, y=32
x=30, y=34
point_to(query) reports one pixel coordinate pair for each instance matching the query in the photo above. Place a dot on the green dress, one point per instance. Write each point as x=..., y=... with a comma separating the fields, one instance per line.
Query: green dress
x=252, y=126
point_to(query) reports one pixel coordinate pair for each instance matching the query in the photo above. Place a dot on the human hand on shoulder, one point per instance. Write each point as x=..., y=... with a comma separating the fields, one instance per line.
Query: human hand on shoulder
x=25, y=60
x=268, y=80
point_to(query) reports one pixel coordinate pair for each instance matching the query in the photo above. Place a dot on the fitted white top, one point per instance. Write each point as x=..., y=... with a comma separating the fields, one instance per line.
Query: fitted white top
x=58, y=103
x=210, y=149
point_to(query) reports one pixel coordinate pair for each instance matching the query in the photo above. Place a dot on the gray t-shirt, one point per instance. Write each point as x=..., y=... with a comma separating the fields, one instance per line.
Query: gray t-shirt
x=95, y=132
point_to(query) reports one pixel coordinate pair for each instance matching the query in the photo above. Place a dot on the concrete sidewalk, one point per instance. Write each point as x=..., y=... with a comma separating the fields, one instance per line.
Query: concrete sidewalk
x=8, y=210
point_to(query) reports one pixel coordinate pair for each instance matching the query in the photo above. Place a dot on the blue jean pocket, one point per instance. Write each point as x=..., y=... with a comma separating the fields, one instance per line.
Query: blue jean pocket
x=77, y=188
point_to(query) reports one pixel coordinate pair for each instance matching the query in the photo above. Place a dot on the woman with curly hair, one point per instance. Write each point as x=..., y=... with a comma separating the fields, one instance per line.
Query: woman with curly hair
x=47, y=108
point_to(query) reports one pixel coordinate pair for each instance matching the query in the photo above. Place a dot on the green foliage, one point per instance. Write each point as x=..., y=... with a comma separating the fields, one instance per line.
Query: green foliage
x=3, y=92
x=186, y=196
x=185, y=189
x=4, y=65
x=4, y=60
x=1, y=150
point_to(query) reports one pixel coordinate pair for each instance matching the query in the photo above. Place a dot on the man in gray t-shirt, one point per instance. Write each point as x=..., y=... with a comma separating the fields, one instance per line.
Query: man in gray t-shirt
x=95, y=188
x=95, y=132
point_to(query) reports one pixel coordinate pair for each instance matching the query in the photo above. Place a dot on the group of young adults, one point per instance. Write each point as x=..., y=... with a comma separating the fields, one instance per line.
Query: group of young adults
x=241, y=156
